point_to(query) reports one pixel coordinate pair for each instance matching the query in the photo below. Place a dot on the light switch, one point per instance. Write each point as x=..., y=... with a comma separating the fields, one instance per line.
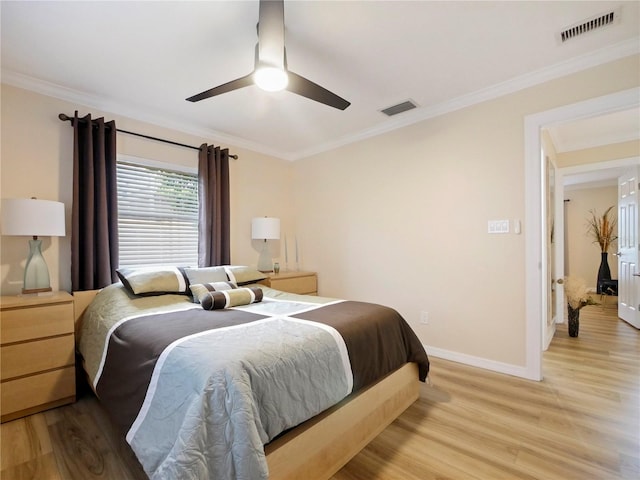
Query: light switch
x=498, y=226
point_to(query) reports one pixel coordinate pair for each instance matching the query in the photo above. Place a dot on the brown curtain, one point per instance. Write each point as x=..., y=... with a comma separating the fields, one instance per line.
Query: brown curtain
x=214, y=211
x=94, y=230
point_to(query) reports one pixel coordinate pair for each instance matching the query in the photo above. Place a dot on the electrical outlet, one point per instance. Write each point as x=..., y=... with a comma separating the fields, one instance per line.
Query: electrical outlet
x=424, y=318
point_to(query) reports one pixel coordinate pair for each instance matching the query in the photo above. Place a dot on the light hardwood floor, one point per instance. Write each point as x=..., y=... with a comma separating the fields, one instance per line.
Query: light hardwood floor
x=581, y=422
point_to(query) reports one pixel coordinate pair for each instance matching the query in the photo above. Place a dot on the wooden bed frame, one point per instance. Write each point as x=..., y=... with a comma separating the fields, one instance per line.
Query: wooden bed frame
x=318, y=448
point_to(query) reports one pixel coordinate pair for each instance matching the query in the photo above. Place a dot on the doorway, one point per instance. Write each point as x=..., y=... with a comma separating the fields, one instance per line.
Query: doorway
x=587, y=188
x=536, y=251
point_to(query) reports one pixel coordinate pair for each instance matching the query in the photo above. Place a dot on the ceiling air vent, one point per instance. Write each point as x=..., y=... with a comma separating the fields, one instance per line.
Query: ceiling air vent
x=590, y=24
x=399, y=108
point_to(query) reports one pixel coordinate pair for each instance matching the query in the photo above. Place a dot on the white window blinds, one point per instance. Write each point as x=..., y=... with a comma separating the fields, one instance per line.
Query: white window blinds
x=157, y=216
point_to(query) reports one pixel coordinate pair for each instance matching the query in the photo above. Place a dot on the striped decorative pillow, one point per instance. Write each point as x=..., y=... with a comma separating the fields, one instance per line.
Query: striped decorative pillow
x=157, y=280
x=203, y=289
x=231, y=298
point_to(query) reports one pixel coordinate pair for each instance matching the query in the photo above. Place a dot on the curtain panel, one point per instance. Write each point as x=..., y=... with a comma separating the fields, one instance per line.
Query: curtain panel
x=214, y=236
x=94, y=231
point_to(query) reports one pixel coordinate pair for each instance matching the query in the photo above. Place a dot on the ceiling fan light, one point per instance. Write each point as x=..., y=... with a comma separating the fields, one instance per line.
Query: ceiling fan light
x=271, y=79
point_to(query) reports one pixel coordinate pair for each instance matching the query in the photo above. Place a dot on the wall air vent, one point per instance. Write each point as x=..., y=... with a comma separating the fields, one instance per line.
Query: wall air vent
x=399, y=108
x=589, y=24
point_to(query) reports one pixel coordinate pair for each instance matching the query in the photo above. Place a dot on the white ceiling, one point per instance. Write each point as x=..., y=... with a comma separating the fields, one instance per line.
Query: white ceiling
x=142, y=59
x=596, y=178
x=615, y=127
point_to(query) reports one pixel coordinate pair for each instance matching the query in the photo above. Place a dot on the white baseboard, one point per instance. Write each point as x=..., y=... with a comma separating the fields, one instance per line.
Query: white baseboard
x=494, y=366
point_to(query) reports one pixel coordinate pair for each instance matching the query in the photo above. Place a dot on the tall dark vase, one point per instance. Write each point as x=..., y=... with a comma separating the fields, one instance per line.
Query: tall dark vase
x=574, y=321
x=603, y=272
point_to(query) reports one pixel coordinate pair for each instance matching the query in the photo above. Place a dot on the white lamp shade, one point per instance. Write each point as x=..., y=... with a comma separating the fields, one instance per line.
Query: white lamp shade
x=32, y=217
x=265, y=228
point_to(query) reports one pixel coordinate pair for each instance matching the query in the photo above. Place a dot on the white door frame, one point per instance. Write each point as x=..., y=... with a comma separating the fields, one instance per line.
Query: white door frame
x=560, y=261
x=535, y=246
x=550, y=268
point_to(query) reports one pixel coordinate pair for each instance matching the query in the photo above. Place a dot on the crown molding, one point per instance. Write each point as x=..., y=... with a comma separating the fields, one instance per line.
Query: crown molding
x=574, y=65
x=136, y=112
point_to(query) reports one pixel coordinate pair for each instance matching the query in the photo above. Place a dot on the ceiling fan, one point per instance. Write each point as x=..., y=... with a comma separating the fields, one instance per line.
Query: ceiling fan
x=271, y=72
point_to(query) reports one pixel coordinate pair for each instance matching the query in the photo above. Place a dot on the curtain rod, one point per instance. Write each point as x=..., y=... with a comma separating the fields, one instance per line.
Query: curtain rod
x=67, y=118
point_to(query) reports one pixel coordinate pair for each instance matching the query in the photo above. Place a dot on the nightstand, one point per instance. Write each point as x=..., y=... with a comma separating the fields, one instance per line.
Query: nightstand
x=303, y=283
x=37, y=353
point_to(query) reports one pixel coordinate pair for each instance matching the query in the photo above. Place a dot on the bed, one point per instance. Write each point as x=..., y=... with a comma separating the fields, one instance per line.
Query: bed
x=275, y=385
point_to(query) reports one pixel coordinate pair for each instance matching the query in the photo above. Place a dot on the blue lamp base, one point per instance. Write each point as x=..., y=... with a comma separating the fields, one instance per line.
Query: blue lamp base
x=36, y=273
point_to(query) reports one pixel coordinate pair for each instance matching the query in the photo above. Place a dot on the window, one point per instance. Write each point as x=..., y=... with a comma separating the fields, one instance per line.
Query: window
x=157, y=215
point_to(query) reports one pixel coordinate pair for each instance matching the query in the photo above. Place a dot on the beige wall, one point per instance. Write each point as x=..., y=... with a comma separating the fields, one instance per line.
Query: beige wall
x=36, y=160
x=402, y=218
x=584, y=255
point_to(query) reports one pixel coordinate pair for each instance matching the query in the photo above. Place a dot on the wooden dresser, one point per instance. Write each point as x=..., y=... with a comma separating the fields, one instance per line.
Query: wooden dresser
x=303, y=283
x=37, y=353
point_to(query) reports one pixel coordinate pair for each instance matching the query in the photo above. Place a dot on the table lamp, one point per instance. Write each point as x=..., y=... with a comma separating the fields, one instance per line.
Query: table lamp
x=33, y=218
x=265, y=228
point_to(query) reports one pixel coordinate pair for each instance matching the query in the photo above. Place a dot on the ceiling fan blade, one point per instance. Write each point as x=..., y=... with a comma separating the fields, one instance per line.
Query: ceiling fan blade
x=271, y=33
x=313, y=91
x=224, y=88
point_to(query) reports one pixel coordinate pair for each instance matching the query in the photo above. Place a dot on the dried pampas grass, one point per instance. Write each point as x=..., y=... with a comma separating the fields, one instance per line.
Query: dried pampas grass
x=576, y=292
x=603, y=228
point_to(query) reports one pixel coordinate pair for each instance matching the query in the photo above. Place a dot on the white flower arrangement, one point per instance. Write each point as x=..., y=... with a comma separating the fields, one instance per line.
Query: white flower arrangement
x=577, y=293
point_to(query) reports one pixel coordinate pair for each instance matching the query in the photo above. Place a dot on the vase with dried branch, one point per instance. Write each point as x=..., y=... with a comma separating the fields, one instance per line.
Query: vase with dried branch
x=577, y=295
x=602, y=229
